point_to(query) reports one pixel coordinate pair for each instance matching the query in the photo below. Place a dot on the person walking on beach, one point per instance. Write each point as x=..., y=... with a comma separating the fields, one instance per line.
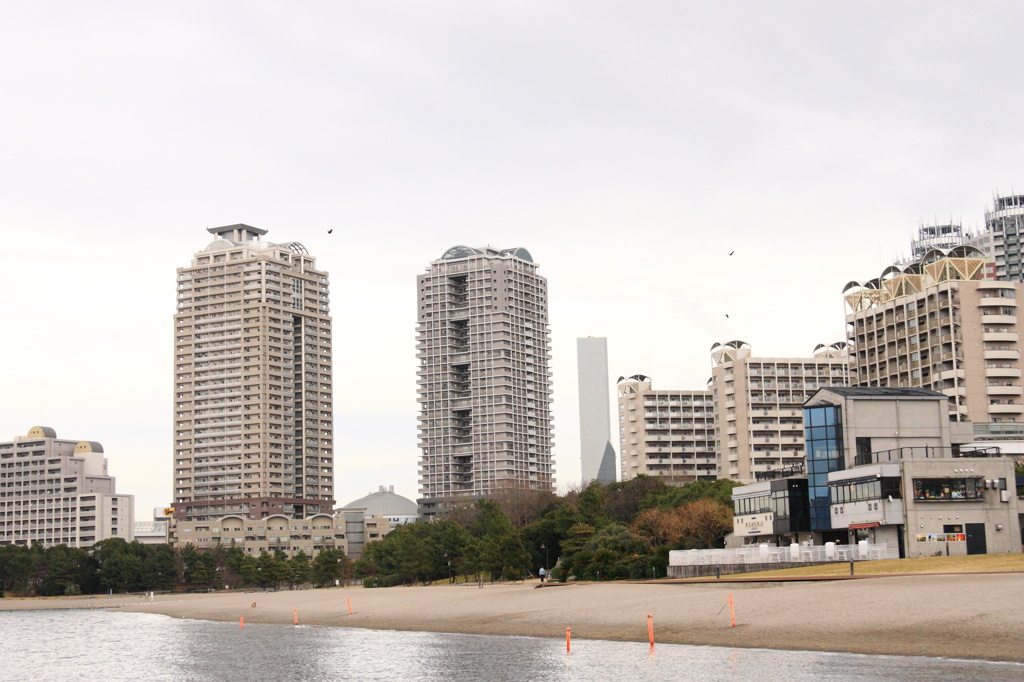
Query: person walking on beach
x=542, y=574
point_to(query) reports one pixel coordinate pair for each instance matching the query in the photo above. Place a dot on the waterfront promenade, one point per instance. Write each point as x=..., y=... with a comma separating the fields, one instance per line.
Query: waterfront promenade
x=960, y=616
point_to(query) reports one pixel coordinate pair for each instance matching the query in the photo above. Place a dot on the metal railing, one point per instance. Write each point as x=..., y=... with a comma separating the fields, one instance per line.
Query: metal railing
x=922, y=452
x=765, y=554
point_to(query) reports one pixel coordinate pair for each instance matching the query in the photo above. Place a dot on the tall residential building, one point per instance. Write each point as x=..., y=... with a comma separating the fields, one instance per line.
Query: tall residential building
x=597, y=456
x=253, y=433
x=935, y=323
x=668, y=434
x=484, y=383
x=1005, y=223
x=58, y=492
x=758, y=404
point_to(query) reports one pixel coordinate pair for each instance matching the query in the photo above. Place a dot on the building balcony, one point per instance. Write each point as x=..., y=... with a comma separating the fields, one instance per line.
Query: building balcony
x=1007, y=372
x=1004, y=337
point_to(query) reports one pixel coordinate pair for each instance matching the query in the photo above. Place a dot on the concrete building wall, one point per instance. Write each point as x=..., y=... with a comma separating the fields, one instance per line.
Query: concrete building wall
x=484, y=383
x=668, y=433
x=890, y=424
x=253, y=407
x=996, y=510
x=758, y=406
x=597, y=456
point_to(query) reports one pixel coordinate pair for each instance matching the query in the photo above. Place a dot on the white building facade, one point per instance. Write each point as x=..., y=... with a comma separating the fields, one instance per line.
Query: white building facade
x=58, y=492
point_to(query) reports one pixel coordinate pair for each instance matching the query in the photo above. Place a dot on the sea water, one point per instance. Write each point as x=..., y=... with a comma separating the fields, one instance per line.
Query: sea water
x=105, y=645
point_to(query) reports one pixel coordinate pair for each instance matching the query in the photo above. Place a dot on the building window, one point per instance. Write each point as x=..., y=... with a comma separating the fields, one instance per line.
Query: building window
x=947, y=489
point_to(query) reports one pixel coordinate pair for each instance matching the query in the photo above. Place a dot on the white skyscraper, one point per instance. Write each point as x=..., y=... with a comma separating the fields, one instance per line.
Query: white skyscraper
x=597, y=455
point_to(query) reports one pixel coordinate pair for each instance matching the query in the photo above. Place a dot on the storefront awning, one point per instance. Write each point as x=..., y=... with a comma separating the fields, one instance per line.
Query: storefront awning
x=859, y=526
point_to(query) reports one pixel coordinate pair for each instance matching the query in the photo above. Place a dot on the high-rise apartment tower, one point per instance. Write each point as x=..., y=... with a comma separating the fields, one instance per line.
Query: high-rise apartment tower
x=1005, y=223
x=484, y=383
x=253, y=432
x=938, y=323
x=597, y=456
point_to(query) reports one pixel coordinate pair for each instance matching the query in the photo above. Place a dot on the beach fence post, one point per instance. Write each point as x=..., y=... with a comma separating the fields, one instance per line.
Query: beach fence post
x=851, y=566
x=241, y=623
x=349, y=601
x=732, y=612
x=650, y=628
x=568, y=640
x=295, y=616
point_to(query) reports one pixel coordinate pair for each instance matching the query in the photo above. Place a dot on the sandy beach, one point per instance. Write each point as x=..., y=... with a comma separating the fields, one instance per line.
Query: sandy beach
x=961, y=616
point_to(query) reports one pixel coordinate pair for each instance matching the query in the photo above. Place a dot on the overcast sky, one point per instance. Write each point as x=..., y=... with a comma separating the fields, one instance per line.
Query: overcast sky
x=629, y=146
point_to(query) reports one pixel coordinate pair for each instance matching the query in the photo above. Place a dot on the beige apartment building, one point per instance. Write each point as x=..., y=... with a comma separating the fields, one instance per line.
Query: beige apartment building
x=936, y=323
x=253, y=432
x=668, y=434
x=347, y=530
x=483, y=381
x=58, y=492
x=758, y=406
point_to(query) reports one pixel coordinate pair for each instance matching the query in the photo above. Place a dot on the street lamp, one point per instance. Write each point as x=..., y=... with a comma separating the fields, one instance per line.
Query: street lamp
x=545, y=548
x=449, y=567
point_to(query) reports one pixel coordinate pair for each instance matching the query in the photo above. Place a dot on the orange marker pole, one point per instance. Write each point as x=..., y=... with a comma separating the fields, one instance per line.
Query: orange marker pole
x=732, y=612
x=295, y=616
x=650, y=628
x=349, y=600
x=241, y=623
x=568, y=640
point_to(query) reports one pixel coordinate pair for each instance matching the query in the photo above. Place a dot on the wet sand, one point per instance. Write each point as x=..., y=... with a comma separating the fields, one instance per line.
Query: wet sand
x=960, y=616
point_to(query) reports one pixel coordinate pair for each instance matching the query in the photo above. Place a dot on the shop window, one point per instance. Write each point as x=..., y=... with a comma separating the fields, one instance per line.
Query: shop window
x=946, y=489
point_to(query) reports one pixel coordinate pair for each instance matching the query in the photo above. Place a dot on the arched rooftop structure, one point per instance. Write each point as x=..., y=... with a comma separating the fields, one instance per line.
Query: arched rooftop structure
x=729, y=351
x=936, y=266
x=41, y=432
x=295, y=247
x=386, y=503
x=518, y=252
x=460, y=252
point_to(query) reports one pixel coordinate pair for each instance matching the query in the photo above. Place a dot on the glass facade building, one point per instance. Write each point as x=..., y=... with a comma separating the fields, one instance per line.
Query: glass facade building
x=823, y=429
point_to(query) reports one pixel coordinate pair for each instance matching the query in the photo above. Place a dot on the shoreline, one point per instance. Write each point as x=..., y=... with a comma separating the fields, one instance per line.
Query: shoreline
x=971, y=616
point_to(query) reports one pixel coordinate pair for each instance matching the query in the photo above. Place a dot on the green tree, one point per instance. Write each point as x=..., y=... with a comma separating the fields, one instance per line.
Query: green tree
x=298, y=569
x=612, y=553
x=17, y=569
x=720, y=490
x=623, y=500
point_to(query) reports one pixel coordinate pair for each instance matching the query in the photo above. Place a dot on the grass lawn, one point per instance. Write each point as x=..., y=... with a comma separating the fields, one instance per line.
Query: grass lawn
x=938, y=564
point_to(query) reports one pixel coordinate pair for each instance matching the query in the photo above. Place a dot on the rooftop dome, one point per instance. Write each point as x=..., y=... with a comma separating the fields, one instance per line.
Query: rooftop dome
x=385, y=502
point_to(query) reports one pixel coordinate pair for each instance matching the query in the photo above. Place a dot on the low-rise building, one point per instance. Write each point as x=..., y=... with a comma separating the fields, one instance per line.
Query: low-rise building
x=347, y=530
x=58, y=492
x=886, y=465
